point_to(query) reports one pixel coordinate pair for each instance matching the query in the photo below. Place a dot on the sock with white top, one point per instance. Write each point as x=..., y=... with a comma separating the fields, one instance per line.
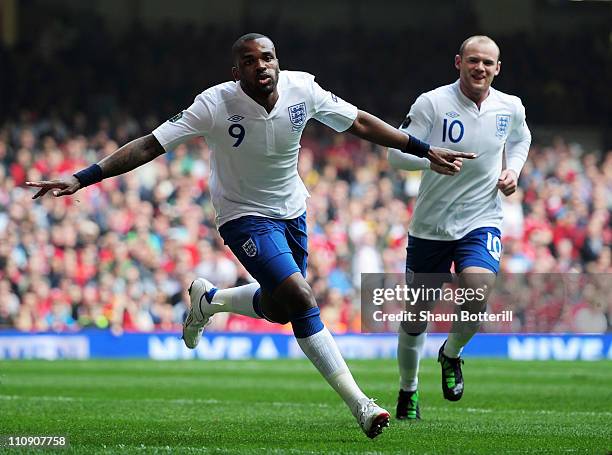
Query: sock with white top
x=455, y=343
x=240, y=300
x=409, y=351
x=320, y=347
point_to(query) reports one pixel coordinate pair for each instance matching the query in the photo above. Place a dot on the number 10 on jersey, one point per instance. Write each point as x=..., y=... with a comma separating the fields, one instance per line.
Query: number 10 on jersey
x=454, y=131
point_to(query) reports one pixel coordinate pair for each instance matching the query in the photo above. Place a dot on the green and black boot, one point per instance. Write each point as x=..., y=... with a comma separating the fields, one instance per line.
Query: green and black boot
x=408, y=406
x=452, y=377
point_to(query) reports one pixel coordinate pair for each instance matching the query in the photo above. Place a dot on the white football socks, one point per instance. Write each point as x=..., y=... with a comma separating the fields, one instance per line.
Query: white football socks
x=409, y=351
x=324, y=354
x=237, y=300
x=456, y=341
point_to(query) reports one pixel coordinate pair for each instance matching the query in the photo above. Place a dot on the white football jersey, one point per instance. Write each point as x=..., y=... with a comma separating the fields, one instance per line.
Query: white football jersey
x=449, y=207
x=255, y=153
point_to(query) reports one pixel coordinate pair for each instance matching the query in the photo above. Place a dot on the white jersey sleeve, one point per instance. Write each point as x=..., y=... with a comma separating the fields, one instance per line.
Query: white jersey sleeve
x=519, y=140
x=332, y=110
x=197, y=120
x=418, y=123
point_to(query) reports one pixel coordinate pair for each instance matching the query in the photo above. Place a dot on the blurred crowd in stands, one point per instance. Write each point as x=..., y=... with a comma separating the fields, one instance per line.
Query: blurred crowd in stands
x=120, y=254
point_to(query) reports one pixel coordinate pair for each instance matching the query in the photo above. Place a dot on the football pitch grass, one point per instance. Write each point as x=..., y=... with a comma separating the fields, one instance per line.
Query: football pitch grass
x=284, y=406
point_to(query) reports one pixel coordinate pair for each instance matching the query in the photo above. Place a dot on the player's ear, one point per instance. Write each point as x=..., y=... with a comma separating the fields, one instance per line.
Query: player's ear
x=457, y=61
x=235, y=73
x=498, y=69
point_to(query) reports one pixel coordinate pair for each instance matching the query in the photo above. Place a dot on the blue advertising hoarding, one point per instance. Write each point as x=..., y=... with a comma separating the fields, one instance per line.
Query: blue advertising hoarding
x=169, y=346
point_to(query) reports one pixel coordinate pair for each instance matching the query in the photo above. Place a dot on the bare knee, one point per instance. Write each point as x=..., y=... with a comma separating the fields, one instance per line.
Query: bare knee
x=291, y=298
x=478, y=283
x=295, y=295
x=272, y=310
x=301, y=299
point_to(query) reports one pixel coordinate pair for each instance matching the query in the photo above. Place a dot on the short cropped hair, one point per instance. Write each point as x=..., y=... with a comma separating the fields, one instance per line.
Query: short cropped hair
x=478, y=38
x=238, y=43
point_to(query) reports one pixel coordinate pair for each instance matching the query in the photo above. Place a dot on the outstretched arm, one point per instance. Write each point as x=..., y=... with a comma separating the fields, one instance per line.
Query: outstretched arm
x=371, y=128
x=132, y=155
x=128, y=157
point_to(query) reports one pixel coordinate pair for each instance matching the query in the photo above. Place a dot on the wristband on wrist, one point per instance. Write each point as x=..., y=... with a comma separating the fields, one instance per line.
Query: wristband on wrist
x=89, y=175
x=416, y=147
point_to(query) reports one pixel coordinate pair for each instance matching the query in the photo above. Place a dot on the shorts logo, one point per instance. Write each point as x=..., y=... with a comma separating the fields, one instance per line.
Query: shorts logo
x=297, y=115
x=235, y=118
x=334, y=98
x=250, y=248
x=452, y=114
x=502, y=122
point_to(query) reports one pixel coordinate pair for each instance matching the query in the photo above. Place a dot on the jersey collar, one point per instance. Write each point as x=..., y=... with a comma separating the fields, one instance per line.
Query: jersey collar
x=258, y=107
x=468, y=102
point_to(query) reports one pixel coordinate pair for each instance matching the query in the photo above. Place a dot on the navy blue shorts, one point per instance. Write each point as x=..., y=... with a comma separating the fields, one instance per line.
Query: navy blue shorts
x=481, y=247
x=271, y=250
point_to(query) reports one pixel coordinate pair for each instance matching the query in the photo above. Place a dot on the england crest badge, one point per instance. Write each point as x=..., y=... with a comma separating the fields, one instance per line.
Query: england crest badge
x=250, y=248
x=502, y=123
x=297, y=115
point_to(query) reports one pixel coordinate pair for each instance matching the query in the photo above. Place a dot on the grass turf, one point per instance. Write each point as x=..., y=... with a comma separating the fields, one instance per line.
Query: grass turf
x=286, y=407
